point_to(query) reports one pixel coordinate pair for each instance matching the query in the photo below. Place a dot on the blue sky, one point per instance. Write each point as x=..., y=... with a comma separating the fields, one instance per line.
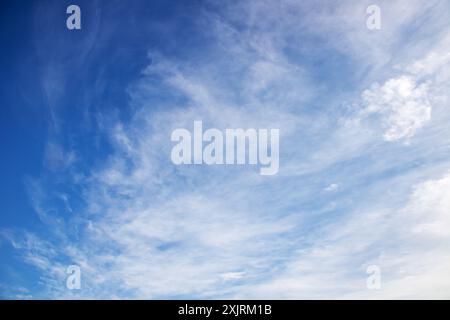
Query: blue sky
x=86, y=117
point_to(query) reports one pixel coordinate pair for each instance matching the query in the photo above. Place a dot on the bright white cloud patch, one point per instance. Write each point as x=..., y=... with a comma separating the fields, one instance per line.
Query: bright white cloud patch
x=403, y=105
x=430, y=207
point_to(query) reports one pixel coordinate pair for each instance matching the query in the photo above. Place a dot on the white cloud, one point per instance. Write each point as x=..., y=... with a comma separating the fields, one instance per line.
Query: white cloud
x=332, y=187
x=399, y=241
x=403, y=105
x=430, y=207
x=229, y=276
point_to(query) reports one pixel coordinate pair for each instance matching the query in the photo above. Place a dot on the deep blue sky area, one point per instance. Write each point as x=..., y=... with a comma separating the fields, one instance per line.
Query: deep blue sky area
x=54, y=82
x=109, y=46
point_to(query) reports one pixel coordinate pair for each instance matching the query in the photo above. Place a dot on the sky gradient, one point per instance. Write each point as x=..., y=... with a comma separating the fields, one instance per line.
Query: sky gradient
x=86, y=178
